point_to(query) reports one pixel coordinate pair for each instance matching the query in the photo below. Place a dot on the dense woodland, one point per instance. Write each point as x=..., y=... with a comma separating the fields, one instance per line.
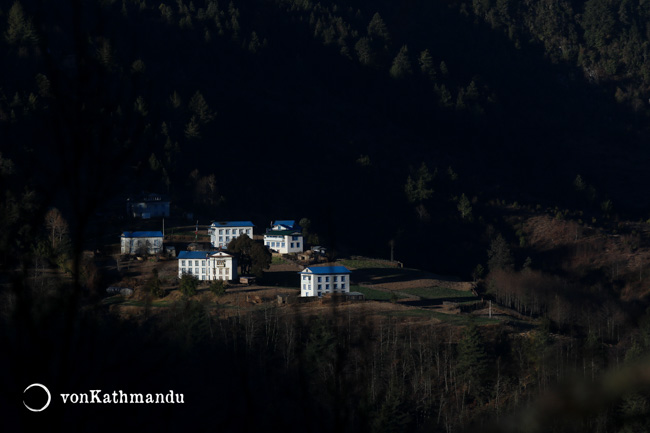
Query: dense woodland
x=447, y=131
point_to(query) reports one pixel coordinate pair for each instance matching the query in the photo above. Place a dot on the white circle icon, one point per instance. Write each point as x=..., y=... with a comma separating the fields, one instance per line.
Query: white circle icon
x=49, y=397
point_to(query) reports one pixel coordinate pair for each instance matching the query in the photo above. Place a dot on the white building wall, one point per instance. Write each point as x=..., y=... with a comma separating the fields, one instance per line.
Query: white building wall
x=285, y=244
x=223, y=267
x=221, y=236
x=153, y=245
x=322, y=284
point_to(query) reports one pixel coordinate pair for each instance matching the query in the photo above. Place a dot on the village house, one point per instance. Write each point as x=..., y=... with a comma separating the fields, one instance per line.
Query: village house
x=284, y=237
x=148, y=205
x=207, y=265
x=222, y=232
x=141, y=243
x=323, y=280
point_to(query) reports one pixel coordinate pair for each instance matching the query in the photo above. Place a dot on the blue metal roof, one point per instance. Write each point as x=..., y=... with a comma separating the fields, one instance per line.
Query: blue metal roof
x=233, y=224
x=194, y=254
x=288, y=223
x=318, y=270
x=142, y=234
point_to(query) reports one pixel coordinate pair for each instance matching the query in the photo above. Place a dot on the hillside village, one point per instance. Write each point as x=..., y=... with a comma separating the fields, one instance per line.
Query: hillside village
x=296, y=272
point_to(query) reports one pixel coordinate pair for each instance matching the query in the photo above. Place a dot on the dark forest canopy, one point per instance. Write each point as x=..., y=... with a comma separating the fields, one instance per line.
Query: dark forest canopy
x=321, y=109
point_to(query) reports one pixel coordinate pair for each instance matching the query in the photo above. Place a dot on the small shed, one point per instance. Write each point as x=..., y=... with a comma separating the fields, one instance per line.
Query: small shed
x=355, y=296
x=247, y=279
x=124, y=291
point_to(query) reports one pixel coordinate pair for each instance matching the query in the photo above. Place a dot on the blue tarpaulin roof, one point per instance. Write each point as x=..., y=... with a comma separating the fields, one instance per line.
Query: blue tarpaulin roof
x=142, y=234
x=327, y=270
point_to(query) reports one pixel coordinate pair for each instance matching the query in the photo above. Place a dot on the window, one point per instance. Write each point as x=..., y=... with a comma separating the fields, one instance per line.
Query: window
x=227, y=271
x=319, y=279
x=297, y=244
x=336, y=286
x=282, y=244
x=196, y=262
x=291, y=244
x=182, y=262
x=319, y=287
x=220, y=271
x=203, y=271
x=248, y=231
x=196, y=271
x=220, y=231
x=342, y=286
x=189, y=271
x=327, y=287
x=220, y=238
x=227, y=231
x=342, y=277
x=304, y=286
x=294, y=238
x=336, y=278
x=327, y=279
x=320, y=294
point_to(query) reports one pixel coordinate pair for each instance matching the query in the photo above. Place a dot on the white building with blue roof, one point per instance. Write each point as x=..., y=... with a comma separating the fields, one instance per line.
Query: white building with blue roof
x=222, y=232
x=322, y=280
x=284, y=237
x=208, y=265
x=141, y=243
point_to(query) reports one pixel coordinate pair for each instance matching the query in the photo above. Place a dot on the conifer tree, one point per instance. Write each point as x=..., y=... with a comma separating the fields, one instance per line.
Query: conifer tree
x=19, y=28
x=377, y=28
x=401, y=67
x=472, y=364
x=426, y=64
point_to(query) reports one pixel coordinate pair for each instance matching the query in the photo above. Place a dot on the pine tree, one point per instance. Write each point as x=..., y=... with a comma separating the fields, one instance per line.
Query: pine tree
x=417, y=185
x=465, y=207
x=192, y=129
x=472, y=364
x=499, y=256
x=364, y=51
x=426, y=64
x=401, y=67
x=199, y=107
x=377, y=28
x=19, y=28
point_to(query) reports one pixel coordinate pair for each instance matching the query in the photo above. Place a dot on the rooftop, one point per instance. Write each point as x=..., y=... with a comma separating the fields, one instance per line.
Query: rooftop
x=147, y=197
x=282, y=232
x=320, y=270
x=201, y=254
x=288, y=223
x=142, y=234
x=232, y=224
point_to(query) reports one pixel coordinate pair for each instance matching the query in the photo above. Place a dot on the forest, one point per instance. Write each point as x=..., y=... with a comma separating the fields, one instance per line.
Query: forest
x=500, y=141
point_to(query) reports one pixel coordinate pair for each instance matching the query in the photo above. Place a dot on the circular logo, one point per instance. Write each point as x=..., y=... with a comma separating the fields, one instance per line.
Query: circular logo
x=49, y=397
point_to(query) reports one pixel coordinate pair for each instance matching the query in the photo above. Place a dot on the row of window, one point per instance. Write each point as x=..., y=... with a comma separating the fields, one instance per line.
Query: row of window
x=320, y=294
x=222, y=271
x=327, y=278
x=320, y=286
x=196, y=262
x=282, y=244
x=235, y=232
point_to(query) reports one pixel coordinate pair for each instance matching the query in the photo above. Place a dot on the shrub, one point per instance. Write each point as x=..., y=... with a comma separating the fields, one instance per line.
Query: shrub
x=189, y=285
x=218, y=287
